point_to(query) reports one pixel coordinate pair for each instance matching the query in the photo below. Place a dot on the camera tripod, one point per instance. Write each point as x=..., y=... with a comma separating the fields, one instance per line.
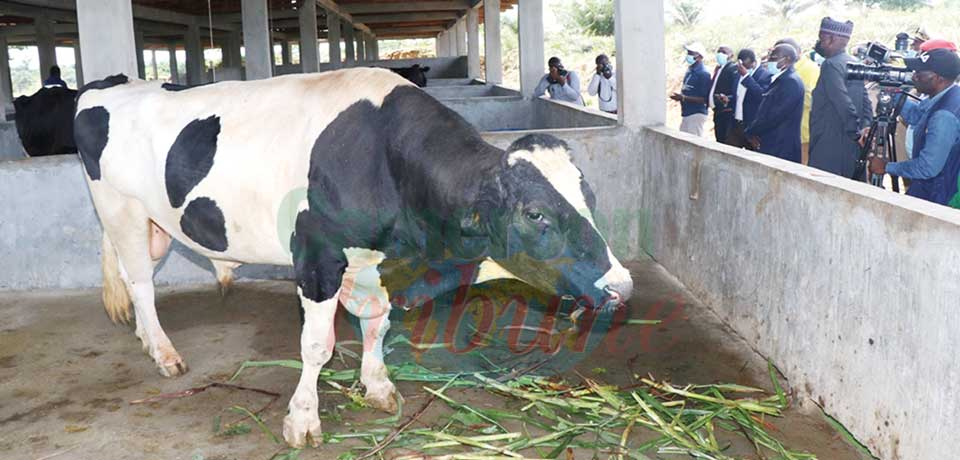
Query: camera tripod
x=882, y=136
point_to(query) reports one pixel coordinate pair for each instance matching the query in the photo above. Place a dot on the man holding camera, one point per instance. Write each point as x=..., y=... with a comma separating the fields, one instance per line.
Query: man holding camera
x=563, y=85
x=604, y=85
x=695, y=91
x=935, y=165
x=841, y=108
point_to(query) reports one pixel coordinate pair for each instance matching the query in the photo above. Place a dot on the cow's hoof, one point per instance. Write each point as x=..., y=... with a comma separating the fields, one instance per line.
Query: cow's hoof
x=386, y=400
x=174, y=368
x=300, y=431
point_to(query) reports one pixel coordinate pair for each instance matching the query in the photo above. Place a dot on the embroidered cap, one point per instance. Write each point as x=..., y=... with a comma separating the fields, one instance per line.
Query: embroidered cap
x=842, y=29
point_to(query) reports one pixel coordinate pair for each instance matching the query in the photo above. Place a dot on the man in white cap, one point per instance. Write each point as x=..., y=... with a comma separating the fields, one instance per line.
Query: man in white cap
x=695, y=91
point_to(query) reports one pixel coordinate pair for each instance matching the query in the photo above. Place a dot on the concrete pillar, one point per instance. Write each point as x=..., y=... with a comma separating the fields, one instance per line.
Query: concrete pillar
x=438, y=45
x=138, y=44
x=333, y=40
x=462, y=37
x=309, y=48
x=153, y=58
x=256, y=39
x=473, y=43
x=285, y=58
x=532, y=60
x=6, y=86
x=106, y=38
x=370, y=52
x=641, y=60
x=231, y=55
x=78, y=62
x=174, y=70
x=46, y=44
x=452, y=41
x=376, y=48
x=351, y=57
x=491, y=41
x=196, y=74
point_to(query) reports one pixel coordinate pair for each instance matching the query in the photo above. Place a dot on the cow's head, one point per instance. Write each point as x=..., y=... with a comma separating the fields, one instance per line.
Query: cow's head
x=538, y=213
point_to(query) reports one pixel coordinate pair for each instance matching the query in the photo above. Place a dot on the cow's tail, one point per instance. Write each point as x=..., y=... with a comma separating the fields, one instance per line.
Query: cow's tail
x=116, y=299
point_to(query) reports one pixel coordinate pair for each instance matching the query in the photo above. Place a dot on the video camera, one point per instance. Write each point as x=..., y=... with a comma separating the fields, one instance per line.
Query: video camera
x=876, y=58
x=606, y=70
x=560, y=71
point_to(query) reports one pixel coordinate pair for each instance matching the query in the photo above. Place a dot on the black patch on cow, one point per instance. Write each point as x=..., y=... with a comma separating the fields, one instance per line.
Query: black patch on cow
x=45, y=121
x=190, y=158
x=109, y=82
x=176, y=88
x=203, y=223
x=532, y=141
x=91, y=130
x=415, y=74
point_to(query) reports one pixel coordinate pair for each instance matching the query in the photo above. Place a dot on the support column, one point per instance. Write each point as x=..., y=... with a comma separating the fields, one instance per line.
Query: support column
x=106, y=38
x=452, y=40
x=531, y=45
x=138, y=44
x=641, y=57
x=309, y=48
x=462, y=37
x=473, y=43
x=351, y=57
x=438, y=45
x=153, y=58
x=231, y=55
x=369, y=52
x=6, y=87
x=285, y=58
x=174, y=71
x=333, y=40
x=194, y=51
x=376, y=48
x=46, y=44
x=78, y=63
x=256, y=39
x=491, y=41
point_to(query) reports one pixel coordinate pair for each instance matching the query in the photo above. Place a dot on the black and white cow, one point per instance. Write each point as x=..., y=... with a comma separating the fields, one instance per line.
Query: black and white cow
x=45, y=121
x=415, y=74
x=334, y=174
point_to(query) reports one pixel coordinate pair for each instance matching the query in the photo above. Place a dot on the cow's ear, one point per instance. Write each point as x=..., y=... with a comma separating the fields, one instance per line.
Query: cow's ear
x=425, y=69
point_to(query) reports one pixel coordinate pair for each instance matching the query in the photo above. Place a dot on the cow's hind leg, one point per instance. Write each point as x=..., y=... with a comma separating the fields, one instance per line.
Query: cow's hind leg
x=364, y=296
x=128, y=231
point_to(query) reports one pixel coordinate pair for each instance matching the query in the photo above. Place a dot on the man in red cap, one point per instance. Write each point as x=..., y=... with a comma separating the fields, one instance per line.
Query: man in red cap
x=935, y=165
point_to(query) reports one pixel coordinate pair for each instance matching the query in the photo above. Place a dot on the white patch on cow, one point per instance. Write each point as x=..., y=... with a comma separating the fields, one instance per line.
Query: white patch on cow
x=490, y=270
x=316, y=348
x=555, y=165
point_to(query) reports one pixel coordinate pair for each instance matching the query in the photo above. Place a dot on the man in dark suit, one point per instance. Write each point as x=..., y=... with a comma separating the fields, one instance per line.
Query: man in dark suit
x=776, y=128
x=723, y=78
x=747, y=93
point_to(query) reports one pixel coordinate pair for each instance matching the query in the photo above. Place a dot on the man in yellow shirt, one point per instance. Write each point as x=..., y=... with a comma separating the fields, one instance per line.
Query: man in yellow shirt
x=809, y=73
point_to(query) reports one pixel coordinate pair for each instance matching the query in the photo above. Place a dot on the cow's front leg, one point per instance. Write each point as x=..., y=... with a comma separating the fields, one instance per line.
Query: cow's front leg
x=302, y=423
x=364, y=296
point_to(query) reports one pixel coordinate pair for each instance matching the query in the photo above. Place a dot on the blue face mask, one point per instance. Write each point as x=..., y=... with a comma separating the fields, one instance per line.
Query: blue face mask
x=772, y=67
x=722, y=59
x=690, y=60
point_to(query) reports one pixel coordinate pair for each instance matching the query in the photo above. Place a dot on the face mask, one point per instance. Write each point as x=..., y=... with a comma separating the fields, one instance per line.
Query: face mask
x=818, y=48
x=818, y=59
x=690, y=60
x=772, y=67
x=722, y=59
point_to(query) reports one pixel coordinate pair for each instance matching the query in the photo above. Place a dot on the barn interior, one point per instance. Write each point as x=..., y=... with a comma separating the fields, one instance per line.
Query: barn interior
x=766, y=260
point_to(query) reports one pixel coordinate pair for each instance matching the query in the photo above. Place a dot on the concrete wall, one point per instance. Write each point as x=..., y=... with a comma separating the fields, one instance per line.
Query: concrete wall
x=459, y=92
x=513, y=113
x=444, y=67
x=10, y=146
x=50, y=236
x=851, y=290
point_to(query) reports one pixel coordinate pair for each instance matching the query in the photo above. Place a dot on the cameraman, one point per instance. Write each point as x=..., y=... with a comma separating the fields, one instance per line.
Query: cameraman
x=935, y=164
x=604, y=85
x=563, y=85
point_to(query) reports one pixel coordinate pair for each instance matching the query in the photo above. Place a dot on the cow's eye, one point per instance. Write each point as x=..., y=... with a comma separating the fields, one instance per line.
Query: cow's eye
x=535, y=216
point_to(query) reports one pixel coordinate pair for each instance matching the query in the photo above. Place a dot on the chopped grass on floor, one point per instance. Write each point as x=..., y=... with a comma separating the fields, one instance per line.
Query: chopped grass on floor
x=556, y=417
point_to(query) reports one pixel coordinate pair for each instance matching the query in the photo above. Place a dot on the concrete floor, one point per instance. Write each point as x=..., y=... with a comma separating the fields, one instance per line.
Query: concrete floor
x=67, y=375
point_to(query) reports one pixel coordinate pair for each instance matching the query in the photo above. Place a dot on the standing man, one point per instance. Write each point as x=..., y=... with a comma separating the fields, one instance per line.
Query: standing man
x=840, y=108
x=724, y=76
x=604, y=85
x=809, y=73
x=753, y=80
x=695, y=91
x=935, y=165
x=563, y=85
x=776, y=129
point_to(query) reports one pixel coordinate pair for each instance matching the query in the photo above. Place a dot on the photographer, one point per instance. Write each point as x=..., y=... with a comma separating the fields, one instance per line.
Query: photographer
x=936, y=120
x=604, y=85
x=563, y=85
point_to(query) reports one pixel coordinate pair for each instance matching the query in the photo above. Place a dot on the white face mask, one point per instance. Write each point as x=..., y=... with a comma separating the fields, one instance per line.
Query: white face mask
x=722, y=59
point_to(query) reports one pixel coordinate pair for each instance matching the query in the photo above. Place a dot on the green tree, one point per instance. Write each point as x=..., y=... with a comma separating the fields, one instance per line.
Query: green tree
x=594, y=17
x=902, y=5
x=786, y=8
x=686, y=12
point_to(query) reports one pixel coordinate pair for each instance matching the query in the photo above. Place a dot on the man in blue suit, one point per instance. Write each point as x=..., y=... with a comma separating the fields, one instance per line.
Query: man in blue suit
x=747, y=92
x=776, y=128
